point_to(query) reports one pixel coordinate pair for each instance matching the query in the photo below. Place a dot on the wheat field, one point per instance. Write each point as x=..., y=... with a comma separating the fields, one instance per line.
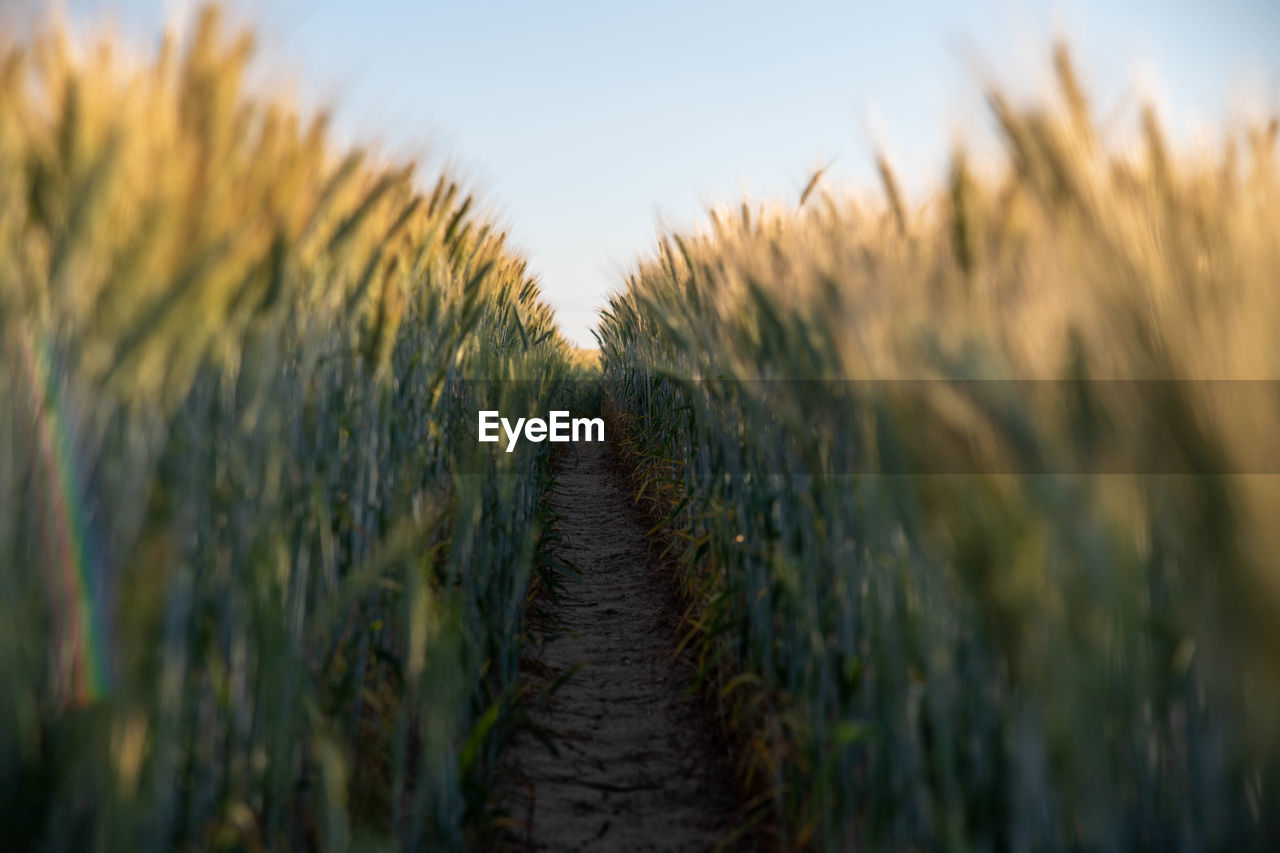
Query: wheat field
x=971, y=500
x=248, y=602
x=975, y=498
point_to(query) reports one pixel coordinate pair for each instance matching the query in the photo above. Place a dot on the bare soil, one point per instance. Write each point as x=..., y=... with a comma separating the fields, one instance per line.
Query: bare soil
x=639, y=767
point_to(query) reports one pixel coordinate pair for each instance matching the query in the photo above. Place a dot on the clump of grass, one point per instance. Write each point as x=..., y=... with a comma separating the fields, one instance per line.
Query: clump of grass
x=254, y=596
x=1030, y=611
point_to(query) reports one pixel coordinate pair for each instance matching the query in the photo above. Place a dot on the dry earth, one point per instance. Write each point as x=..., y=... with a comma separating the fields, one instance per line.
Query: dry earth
x=637, y=767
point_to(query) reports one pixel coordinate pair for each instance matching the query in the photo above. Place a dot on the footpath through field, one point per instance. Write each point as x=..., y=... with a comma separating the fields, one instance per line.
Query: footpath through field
x=636, y=768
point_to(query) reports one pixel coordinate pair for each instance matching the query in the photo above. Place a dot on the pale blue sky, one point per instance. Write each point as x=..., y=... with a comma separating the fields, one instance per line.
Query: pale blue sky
x=585, y=123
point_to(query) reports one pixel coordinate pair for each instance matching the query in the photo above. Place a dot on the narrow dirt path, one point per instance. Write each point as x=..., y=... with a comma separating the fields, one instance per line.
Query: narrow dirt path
x=637, y=769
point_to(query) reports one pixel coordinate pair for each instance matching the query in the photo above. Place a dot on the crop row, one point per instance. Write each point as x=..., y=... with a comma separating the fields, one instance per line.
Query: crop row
x=249, y=600
x=978, y=528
